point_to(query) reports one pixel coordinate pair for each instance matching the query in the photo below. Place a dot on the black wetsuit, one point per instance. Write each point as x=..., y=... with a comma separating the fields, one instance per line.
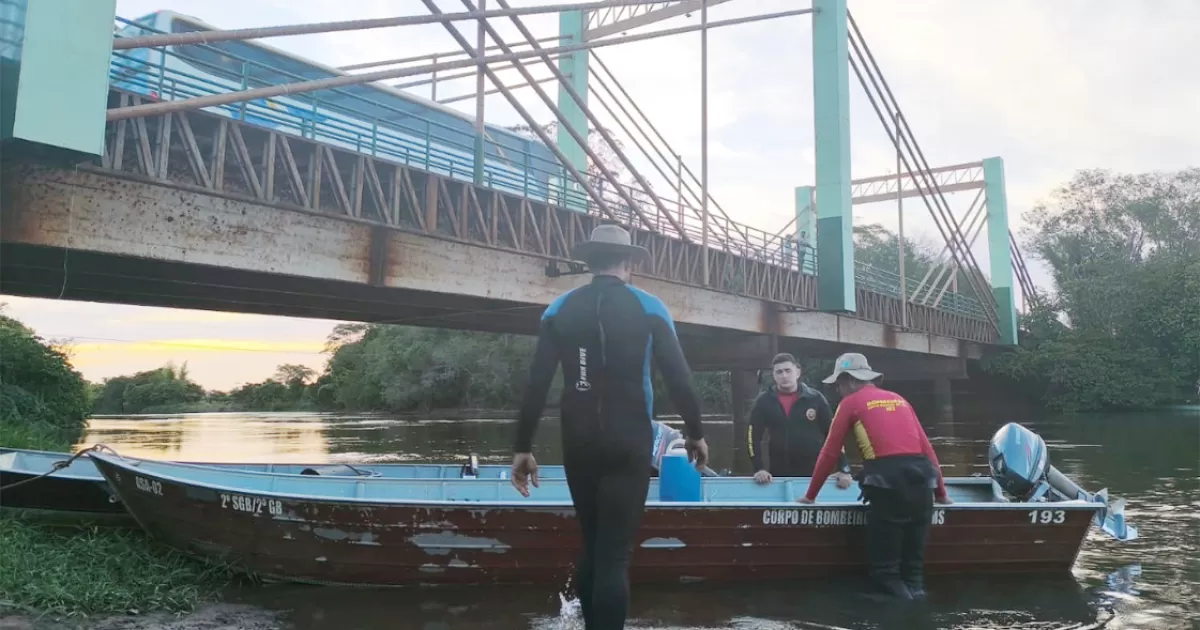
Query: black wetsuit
x=604, y=334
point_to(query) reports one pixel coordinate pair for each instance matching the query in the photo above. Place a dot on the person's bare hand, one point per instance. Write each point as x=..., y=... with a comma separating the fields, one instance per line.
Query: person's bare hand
x=804, y=500
x=842, y=480
x=762, y=477
x=524, y=470
x=943, y=500
x=697, y=452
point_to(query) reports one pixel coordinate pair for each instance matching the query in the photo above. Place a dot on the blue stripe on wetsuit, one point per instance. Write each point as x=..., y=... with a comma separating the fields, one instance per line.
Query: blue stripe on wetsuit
x=655, y=308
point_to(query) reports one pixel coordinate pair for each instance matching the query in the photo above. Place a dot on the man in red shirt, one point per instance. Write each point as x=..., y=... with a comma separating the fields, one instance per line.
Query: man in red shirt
x=899, y=471
x=788, y=424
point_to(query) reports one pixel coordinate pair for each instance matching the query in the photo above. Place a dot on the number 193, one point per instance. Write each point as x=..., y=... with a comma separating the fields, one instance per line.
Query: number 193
x=1045, y=517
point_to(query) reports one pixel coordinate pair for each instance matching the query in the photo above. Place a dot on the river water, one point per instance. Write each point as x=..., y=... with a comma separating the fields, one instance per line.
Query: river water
x=1152, y=460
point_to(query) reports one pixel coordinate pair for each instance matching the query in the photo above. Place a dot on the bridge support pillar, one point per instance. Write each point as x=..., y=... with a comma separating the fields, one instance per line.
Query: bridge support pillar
x=745, y=388
x=571, y=27
x=55, y=58
x=999, y=252
x=806, y=230
x=943, y=399
x=831, y=115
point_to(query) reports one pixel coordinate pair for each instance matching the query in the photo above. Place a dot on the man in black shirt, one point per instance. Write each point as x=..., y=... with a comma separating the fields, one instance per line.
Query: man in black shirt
x=790, y=421
x=604, y=334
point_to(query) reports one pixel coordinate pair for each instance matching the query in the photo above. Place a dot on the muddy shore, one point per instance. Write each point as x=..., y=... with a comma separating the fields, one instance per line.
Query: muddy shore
x=208, y=617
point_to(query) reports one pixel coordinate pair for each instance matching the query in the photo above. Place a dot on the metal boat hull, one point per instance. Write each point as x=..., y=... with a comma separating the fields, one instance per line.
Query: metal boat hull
x=482, y=532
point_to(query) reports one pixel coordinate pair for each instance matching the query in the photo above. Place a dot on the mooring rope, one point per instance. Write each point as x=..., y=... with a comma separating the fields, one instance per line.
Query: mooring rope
x=57, y=466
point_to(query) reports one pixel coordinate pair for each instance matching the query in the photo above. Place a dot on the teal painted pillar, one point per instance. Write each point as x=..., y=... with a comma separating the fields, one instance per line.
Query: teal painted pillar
x=831, y=115
x=55, y=89
x=574, y=65
x=1000, y=258
x=12, y=37
x=806, y=229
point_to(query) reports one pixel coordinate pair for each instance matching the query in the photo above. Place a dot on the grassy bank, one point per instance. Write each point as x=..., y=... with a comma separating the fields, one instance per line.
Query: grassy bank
x=78, y=570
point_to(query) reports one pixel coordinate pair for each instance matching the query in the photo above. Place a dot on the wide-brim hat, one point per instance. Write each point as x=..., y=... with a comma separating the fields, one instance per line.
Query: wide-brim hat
x=609, y=239
x=855, y=365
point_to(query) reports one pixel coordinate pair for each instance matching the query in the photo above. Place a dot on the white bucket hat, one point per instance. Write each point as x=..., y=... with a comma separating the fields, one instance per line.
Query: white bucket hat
x=609, y=239
x=855, y=365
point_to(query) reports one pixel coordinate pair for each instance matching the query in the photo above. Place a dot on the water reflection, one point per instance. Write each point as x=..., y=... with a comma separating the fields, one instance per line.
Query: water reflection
x=1005, y=602
x=218, y=437
x=1151, y=460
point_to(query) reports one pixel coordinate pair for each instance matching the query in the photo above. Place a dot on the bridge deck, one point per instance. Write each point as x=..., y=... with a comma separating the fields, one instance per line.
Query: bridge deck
x=212, y=153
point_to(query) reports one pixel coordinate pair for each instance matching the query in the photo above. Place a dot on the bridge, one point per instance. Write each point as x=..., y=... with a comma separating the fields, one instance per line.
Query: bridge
x=160, y=186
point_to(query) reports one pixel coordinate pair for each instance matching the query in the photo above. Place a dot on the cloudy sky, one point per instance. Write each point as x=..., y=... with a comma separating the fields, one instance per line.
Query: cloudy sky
x=1050, y=87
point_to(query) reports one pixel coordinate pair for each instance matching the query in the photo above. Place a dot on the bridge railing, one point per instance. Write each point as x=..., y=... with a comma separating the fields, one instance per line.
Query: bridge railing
x=337, y=117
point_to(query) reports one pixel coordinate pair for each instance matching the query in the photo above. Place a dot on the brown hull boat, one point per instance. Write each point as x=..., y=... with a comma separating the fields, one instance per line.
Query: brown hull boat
x=424, y=531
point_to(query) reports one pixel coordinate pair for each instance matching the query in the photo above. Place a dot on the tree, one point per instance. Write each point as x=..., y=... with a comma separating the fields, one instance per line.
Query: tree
x=38, y=386
x=1124, y=253
x=148, y=391
x=601, y=148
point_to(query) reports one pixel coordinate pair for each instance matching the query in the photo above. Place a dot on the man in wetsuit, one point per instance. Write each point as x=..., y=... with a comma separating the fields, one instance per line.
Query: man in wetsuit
x=900, y=479
x=790, y=421
x=604, y=334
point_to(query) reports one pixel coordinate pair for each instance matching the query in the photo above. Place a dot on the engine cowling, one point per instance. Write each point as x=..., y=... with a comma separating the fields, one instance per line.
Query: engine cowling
x=1018, y=460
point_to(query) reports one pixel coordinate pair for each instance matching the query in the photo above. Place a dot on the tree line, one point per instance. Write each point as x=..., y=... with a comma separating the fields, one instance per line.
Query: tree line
x=1122, y=328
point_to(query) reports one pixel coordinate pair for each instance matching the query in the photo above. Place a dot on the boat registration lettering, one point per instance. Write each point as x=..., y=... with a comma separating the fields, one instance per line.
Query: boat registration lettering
x=829, y=517
x=251, y=505
x=148, y=485
x=814, y=517
x=1045, y=517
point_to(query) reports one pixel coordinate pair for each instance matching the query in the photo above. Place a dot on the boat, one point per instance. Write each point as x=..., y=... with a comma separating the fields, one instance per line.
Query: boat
x=389, y=532
x=80, y=489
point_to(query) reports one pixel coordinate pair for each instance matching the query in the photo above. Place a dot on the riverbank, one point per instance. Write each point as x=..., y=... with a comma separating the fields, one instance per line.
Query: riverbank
x=52, y=570
x=207, y=617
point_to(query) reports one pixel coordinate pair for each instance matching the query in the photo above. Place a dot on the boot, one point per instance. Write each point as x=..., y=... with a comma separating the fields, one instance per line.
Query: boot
x=916, y=587
x=893, y=587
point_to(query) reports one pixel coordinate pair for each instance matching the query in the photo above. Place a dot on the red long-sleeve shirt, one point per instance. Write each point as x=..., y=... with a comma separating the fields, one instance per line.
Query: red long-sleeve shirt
x=884, y=424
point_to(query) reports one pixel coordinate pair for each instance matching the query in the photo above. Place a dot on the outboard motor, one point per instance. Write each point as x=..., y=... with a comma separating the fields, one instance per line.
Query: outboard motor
x=1018, y=460
x=1020, y=464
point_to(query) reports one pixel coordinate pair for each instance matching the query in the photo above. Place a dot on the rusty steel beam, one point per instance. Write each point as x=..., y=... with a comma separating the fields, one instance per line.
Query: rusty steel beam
x=605, y=22
x=358, y=79
x=954, y=178
x=581, y=101
x=581, y=178
x=208, y=37
x=210, y=154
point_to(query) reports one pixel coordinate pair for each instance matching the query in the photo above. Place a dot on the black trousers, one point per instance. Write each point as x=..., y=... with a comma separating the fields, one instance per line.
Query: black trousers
x=609, y=494
x=897, y=527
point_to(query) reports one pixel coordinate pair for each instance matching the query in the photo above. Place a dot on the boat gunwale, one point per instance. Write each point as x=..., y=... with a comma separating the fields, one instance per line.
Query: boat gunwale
x=223, y=466
x=64, y=473
x=1072, y=505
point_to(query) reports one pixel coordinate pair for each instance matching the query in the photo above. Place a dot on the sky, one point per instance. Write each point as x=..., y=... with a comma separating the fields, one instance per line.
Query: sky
x=1050, y=87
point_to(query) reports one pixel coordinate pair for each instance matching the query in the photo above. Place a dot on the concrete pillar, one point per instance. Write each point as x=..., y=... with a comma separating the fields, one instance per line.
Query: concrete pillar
x=54, y=92
x=571, y=27
x=999, y=256
x=806, y=229
x=831, y=116
x=943, y=399
x=745, y=389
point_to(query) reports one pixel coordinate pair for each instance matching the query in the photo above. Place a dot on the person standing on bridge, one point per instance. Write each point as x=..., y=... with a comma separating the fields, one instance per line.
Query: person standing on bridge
x=900, y=478
x=789, y=421
x=604, y=334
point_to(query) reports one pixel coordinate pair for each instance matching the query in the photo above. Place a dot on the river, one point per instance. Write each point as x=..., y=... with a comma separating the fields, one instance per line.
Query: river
x=1152, y=460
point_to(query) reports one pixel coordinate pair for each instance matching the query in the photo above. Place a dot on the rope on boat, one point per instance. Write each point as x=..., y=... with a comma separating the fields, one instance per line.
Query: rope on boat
x=57, y=466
